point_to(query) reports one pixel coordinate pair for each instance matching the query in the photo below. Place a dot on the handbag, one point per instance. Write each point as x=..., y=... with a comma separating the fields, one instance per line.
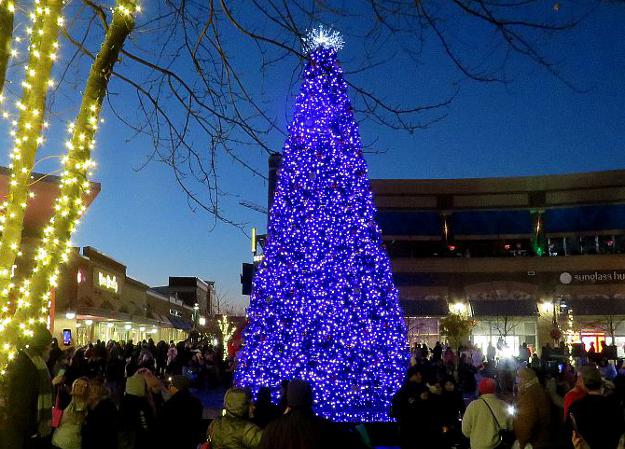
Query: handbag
x=57, y=412
x=506, y=436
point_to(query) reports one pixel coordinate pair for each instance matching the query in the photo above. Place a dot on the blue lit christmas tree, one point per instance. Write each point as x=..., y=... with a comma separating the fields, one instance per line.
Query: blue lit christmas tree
x=324, y=307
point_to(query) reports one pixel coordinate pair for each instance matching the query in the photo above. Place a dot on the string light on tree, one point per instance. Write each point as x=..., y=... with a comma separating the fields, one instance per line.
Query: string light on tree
x=324, y=307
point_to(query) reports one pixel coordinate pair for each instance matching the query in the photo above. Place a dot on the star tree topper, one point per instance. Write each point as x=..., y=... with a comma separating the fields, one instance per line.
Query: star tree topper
x=322, y=37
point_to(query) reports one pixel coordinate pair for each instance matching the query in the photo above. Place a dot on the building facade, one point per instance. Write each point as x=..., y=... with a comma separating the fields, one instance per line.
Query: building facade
x=530, y=258
x=96, y=299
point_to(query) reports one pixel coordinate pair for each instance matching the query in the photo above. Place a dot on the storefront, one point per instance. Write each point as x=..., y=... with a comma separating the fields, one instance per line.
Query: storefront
x=96, y=300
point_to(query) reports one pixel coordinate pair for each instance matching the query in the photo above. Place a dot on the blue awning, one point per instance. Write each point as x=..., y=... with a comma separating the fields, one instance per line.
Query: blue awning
x=510, y=307
x=597, y=306
x=424, y=307
x=180, y=323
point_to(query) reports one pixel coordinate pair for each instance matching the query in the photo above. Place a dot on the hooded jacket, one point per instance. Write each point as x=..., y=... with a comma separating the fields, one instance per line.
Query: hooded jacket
x=234, y=431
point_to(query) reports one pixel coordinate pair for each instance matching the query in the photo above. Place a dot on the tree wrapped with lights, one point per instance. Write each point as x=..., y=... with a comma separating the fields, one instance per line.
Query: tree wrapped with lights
x=324, y=307
x=30, y=304
x=7, y=13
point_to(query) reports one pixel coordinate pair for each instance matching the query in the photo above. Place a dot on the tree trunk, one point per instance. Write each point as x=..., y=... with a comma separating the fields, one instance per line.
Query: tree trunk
x=45, y=30
x=6, y=33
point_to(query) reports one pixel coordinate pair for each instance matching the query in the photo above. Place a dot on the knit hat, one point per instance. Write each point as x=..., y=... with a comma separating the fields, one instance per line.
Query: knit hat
x=180, y=382
x=135, y=385
x=487, y=386
x=299, y=394
x=591, y=377
x=42, y=337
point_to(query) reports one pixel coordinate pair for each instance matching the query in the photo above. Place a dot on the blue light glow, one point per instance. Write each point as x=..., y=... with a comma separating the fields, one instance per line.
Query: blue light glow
x=324, y=307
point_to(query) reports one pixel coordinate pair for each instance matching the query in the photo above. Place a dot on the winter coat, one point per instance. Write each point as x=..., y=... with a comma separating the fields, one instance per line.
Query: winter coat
x=417, y=415
x=137, y=423
x=300, y=429
x=180, y=422
x=101, y=429
x=234, y=431
x=532, y=423
x=68, y=434
x=479, y=425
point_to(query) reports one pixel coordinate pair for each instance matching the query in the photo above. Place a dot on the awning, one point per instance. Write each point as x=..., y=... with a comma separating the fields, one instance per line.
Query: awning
x=424, y=307
x=180, y=323
x=597, y=306
x=511, y=307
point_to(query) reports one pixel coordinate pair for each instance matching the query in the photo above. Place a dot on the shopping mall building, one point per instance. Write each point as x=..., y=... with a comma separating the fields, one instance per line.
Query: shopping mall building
x=515, y=253
x=95, y=298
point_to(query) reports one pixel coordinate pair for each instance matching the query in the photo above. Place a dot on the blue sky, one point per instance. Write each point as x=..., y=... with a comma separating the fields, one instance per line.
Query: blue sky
x=534, y=125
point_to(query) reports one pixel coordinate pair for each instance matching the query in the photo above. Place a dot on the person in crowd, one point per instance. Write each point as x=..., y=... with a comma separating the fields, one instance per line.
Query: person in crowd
x=101, y=429
x=466, y=376
x=265, y=411
x=575, y=394
x=56, y=354
x=485, y=417
x=300, y=428
x=29, y=395
x=410, y=408
x=452, y=409
x=608, y=371
x=596, y=420
x=490, y=352
x=234, y=430
x=532, y=423
x=180, y=419
x=68, y=434
x=136, y=416
x=437, y=352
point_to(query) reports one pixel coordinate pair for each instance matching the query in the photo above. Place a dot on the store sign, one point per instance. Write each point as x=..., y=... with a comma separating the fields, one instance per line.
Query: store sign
x=107, y=281
x=592, y=277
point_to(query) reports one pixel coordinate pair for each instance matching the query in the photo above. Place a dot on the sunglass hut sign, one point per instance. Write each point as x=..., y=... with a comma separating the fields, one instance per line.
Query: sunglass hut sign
x=592, y=277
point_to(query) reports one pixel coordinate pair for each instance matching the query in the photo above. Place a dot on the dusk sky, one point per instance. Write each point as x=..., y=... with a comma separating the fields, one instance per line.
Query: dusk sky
x=534, y=125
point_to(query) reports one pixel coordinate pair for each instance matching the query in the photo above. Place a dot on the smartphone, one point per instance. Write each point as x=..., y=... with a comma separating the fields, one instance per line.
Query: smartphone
x=61, y=372
x=67, y=337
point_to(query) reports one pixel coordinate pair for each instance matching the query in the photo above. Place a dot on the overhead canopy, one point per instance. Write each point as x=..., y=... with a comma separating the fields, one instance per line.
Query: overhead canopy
x=424, y=307
x=180, y=323
x=512, y=307
x=597, y=306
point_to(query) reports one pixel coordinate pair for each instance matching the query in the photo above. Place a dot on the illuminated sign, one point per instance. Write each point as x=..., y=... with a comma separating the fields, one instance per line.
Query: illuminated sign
x=592, y=277
x=108, y=282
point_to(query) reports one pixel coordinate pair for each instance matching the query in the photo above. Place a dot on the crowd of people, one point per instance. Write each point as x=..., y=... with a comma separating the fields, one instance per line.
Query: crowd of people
x=117, y=395
x=463, y=399
x=125, y=396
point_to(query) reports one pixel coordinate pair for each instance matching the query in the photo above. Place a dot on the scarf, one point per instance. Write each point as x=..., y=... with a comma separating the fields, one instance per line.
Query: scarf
x=44, y=397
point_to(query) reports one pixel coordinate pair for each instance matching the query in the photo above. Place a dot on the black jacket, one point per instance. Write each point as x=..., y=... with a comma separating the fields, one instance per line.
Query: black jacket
x=137, y=423
x=180, y=422
x=101, y=427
